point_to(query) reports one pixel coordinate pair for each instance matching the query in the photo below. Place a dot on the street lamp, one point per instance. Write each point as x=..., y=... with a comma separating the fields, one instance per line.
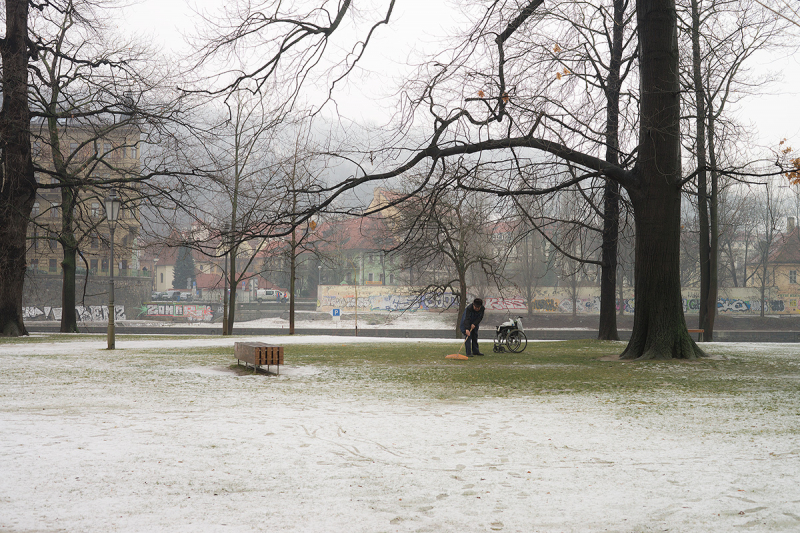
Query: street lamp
x=112, y=203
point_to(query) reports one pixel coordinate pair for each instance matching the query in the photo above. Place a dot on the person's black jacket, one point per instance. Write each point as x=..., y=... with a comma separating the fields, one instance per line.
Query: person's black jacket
x=471, y=317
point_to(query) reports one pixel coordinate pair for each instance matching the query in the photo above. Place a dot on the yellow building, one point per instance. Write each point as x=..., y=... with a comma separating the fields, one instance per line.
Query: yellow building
x=89, y=157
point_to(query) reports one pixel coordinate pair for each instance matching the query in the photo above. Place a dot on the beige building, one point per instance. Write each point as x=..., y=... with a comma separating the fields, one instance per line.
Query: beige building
x=88, y=157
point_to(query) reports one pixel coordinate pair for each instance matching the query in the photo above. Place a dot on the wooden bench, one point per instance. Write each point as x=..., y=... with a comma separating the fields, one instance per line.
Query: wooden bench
x=698, y=331
x=258, y=353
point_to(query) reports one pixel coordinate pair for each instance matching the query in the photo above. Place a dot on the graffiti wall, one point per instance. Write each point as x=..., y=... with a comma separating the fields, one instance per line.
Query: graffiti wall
x=546, y=300
x=380, y=298
x=747, y=301
x=190, y=312
x=376, y=299
x=99, y=313
x=89, y=313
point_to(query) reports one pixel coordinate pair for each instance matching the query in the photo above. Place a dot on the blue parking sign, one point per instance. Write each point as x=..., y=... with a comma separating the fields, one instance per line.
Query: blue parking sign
x=336, y=312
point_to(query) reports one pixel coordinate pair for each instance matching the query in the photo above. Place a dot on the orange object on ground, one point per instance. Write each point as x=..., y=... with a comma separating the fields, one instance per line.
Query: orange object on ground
x=456, y=356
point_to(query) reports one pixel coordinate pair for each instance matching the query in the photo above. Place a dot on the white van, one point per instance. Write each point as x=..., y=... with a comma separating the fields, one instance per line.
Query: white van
x=270, y=295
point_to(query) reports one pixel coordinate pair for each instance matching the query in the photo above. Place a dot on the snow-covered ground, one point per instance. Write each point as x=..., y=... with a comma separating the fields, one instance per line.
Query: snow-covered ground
x=312, y=319
x=140, y=440
x=319, y=320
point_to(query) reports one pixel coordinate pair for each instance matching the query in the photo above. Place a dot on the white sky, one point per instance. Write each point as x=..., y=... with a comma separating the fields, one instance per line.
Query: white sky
x=418, y=24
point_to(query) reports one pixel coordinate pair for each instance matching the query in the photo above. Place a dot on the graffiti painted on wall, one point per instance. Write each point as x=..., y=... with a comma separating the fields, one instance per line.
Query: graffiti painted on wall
x=190, y=312
x=545, y=300
x=380, y=298
x=89, y=313
x=745, y=301
x=505, y=304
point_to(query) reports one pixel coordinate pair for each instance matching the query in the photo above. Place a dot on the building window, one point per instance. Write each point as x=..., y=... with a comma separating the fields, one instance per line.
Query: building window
x=106, y=148
x=93, y=265
x=793, y=276
x=391, y=279
x=53, y=210
x=104, y=265
x=95, y=243
x=95, y=209
x=35, y=264
x=72, y=148
x=35, y=210
x=53, y=265
x=53, y=240
x=124, y=265
x=162, y=278
x=370, y=274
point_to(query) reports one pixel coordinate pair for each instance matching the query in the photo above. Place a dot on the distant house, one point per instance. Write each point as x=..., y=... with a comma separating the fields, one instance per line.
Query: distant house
x=90, y=158
x=784, y=261
x=354, y=250
x=783, y=264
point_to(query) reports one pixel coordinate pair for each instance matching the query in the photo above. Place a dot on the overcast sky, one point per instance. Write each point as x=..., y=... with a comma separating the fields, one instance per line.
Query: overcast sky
x=418, y=24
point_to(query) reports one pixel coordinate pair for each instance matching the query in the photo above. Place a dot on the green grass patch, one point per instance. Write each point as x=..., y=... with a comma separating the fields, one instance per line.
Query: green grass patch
x=420, y=368
x=545, y=368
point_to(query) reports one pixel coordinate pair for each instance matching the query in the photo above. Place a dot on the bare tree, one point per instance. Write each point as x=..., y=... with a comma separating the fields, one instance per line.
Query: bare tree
x=769, y=211
x=297, y=182
x=236, y=193
x=599, y=50
x=784, y=9
x=724, y=37
x=512, y=122
x=95, y=104
x=444, y=234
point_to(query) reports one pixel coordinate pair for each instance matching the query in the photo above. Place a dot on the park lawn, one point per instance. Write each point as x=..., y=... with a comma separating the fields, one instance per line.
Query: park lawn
x=167, y=433
x=558, y=367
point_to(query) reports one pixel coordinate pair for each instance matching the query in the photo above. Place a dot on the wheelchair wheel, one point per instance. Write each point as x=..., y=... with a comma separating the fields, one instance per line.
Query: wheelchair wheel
x=517, y=341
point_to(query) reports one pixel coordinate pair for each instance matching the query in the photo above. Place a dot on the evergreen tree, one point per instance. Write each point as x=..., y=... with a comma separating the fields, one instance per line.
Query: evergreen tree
x=184, y=269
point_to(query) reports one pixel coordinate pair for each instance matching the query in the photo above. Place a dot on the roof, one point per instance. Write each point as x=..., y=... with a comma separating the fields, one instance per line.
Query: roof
x=354, y=234
x=787, y=250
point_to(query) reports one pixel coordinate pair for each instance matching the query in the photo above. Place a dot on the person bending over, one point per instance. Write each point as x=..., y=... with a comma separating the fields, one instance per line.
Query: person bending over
x=473, y=315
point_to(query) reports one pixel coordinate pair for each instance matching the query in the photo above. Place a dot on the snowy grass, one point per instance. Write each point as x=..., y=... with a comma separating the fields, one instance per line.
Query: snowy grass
x=364, y=435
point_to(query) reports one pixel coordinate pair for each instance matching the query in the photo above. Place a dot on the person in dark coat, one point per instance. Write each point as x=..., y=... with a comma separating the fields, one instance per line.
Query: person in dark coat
x=473, y=315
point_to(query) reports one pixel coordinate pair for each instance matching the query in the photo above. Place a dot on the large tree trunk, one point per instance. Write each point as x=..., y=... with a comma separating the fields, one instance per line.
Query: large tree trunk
x=17, y=181
x=69, y=245
x=659, y=327
x=69, y=321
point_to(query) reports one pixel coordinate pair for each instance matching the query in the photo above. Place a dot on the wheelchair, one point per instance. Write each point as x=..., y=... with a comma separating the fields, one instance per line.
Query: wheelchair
x=509, y=336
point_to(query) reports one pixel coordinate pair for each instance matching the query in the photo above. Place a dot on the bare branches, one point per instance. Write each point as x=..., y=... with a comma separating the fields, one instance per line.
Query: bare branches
x=279, y=47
